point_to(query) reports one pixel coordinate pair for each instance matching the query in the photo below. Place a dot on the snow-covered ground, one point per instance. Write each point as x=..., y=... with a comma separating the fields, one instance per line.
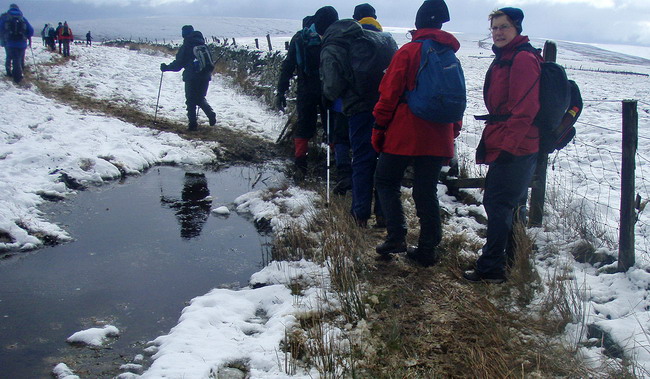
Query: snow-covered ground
x=42, y=139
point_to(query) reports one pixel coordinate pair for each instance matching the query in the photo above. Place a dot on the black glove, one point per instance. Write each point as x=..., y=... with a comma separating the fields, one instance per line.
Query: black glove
x=163, y=67
x=280, y=102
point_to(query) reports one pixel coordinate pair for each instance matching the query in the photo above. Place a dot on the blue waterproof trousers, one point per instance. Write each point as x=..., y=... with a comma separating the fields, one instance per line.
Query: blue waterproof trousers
x=364, y=161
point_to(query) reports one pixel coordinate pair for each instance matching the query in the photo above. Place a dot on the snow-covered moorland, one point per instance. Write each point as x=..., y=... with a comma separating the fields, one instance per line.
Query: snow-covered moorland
x=42, y=139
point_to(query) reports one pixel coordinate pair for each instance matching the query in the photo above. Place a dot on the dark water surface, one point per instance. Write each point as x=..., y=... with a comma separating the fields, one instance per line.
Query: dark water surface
x=142, y=249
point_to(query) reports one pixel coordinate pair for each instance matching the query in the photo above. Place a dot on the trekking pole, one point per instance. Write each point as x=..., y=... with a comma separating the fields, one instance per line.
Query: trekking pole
x=327, y=202
x=158, y=99
x=38, y=76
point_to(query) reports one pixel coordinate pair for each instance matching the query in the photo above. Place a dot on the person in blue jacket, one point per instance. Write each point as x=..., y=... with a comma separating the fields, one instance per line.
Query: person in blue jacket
x=196, y=82
x=16, y=30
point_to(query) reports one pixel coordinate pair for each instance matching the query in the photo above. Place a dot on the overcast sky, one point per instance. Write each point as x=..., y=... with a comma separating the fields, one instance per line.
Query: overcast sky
x=602, y=21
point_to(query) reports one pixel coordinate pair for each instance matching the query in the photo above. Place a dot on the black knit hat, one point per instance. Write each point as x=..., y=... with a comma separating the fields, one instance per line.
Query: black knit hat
x=13, y=6
x=325, y=17
x=186, y=30
x=364, y=10
x=307, y=21
x=432, y=14
x=516, y=15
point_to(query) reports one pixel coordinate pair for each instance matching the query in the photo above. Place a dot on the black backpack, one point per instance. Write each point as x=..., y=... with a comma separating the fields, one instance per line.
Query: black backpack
x=560, y=104
x=370, y=55
x=66, y=31
x=15, y=28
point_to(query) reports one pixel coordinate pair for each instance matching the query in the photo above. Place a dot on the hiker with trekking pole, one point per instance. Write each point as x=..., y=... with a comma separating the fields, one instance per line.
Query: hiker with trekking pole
x=16, y=31
x=352, y=64
x=413, y=129
x=195, y=59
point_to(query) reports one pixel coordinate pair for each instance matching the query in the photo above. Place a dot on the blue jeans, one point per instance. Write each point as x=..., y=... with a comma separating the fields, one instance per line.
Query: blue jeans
x=364, y=161
x=506, y=192
x=388, y=180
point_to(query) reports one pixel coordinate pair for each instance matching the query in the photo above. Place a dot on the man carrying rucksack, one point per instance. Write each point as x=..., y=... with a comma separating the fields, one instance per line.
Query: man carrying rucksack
x=16, y=31
x=303, y=58
x=196, y=78
x=353, y=60
x=404, y=139
x=65, y=38
x=89, y=39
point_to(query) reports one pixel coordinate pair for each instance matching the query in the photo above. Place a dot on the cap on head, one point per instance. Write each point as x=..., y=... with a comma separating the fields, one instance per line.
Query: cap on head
x=364, y=10
x=516, y=15
x=325, y=17
x=432, y=14
x=186, y=30
x=13, y=6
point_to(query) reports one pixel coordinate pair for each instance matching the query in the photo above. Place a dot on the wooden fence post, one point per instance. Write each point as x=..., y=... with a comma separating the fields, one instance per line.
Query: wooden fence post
x=286, y=45
x=268, y=39
x=628, y=215
x=257, y=43
x=538, y=192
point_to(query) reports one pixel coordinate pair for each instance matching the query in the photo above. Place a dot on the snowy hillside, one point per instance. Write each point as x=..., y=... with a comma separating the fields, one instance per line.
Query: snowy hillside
x=41, y=139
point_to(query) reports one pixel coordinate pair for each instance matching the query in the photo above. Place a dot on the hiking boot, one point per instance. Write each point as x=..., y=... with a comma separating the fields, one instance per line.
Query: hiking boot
x=423, y=257
x=475, y=276
x=192, y=126
x=387, y=248
x=212, y=119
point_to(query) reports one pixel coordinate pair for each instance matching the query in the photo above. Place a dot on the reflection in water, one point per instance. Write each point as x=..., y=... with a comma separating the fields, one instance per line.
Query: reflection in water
x=193, y=208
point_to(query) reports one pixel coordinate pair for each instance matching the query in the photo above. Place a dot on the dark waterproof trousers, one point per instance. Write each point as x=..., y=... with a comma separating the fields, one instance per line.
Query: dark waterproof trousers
x=66, y=47
x=364, y=161
x=195, y=92
x=388, y=181
x=308, y=106
x=14, y=62
x=506, y=191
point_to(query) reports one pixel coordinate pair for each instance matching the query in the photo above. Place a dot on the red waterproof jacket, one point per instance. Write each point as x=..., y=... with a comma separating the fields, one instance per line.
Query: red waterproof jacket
x=407, y=134
x=511, y=89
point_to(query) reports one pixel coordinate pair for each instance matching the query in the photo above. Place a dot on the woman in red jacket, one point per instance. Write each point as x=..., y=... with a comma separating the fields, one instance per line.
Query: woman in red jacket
x=404, y=139
x=510, y=141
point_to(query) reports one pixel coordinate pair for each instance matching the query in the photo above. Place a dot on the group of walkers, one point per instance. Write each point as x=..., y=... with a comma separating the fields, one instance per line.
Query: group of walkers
x=61, y=34
x=375, y=134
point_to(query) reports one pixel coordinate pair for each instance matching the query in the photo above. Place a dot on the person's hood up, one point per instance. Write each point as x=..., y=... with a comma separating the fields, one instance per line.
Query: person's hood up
x=437, y=35
x=342, y=29
x=15, y=12
x=195, y=38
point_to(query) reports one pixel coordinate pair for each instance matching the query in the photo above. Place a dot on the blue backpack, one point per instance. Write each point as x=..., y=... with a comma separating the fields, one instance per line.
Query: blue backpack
x=439, y=93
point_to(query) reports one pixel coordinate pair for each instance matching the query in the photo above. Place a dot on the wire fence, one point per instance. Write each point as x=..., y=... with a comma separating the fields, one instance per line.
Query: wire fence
x=583, y=188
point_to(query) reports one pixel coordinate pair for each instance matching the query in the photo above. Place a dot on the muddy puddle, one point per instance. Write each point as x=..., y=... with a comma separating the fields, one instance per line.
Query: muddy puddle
x=142, y=249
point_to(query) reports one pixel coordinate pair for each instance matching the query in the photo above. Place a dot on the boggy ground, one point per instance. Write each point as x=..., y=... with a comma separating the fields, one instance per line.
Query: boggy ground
x=425, y=322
